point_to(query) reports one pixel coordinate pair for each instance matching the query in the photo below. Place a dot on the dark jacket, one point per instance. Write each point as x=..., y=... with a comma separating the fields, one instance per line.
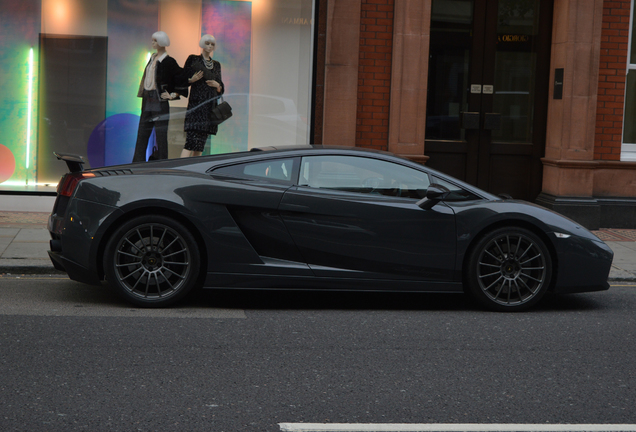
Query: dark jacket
x=203, y=98
x=168, y=76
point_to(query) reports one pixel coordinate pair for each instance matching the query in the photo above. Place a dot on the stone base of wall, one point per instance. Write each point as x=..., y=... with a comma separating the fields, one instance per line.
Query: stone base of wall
x=593, y=212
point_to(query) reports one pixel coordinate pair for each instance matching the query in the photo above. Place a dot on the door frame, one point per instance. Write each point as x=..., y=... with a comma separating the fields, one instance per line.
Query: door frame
x=410, y=80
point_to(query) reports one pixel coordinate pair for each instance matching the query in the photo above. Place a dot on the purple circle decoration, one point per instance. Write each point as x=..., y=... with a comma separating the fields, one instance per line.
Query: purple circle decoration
x=112, y=142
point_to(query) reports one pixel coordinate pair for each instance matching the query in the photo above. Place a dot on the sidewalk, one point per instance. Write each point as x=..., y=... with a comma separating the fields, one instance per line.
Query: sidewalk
x=24, y=242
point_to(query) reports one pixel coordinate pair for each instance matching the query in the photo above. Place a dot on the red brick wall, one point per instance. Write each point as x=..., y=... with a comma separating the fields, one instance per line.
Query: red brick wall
x=611, y=85
x=374, y=74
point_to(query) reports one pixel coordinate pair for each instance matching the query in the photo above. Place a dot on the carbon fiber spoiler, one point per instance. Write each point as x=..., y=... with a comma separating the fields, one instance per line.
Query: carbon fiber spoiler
x=73, y=162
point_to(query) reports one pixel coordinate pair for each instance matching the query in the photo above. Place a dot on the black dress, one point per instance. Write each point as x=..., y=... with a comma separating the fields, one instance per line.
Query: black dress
x=203, y=98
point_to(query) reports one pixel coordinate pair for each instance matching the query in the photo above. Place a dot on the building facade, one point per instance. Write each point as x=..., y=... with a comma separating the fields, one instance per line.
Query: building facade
x=534, y=99
x=530, y=98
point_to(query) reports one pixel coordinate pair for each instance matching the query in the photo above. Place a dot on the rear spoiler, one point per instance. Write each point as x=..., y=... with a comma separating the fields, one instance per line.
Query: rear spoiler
x=73, y=162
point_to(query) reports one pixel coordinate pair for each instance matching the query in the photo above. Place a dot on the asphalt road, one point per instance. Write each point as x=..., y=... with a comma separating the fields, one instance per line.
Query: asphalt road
x=74, y=357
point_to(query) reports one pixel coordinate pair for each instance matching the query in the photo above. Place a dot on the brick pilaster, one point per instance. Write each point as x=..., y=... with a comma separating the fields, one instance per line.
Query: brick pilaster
x=374, y=74
x=611, y=86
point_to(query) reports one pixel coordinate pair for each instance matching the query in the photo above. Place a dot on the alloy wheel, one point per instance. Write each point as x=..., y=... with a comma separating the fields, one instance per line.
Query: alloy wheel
x=152, y=261
x=512, y=269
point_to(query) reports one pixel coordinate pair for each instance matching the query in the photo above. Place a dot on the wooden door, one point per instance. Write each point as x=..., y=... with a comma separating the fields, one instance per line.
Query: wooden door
x=487, y=92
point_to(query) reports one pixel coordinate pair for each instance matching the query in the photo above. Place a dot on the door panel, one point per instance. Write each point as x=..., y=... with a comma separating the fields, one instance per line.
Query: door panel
x=350, y=235
x=504, y=69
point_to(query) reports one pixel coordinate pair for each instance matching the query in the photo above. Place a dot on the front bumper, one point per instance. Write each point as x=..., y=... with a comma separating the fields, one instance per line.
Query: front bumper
x=583, y=266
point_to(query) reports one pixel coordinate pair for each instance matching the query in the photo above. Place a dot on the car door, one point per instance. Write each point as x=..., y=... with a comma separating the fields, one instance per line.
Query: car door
x=251, y=222
x=357, y=217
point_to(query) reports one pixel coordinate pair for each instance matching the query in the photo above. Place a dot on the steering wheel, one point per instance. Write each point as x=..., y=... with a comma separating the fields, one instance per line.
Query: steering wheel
x=372, y=183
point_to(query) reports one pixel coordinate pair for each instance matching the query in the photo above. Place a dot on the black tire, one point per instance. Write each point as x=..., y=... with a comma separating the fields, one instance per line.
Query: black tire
x=509, y=269
x=152, y=261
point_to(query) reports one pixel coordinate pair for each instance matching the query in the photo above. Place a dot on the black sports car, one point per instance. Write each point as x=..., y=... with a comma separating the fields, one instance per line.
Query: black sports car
x=312, y=217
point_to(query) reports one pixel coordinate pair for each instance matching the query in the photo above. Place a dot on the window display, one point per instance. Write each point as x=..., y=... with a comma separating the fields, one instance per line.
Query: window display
x=71, y=73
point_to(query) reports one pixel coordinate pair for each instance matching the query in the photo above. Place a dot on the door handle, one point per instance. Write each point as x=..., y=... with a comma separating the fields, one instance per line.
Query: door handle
x=293, y=207
x=492, y=121
x=469, y=120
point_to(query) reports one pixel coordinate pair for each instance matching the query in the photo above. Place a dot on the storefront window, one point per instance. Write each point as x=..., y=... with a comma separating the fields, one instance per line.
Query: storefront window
x=628, y=150
x=70, y=72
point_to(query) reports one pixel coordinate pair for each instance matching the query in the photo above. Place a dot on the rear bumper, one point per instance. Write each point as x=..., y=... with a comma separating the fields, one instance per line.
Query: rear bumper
x=75, y=236
x=74, y=270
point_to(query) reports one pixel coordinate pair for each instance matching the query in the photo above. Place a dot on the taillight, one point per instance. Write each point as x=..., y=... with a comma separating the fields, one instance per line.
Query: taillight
x=69, y=182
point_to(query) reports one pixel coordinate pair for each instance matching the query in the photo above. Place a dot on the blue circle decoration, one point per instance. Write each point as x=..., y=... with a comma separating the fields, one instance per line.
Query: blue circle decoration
x=112, y=142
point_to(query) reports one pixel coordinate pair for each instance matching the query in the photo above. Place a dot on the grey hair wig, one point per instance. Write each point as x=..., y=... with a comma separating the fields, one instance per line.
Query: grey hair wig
x=206, y=38
x=162, y=38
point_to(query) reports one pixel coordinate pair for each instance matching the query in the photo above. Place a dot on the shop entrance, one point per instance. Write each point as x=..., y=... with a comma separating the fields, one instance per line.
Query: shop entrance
x=488, y=91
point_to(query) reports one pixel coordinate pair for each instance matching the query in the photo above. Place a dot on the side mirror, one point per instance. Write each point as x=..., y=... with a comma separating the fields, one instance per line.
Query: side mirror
x=434, y=194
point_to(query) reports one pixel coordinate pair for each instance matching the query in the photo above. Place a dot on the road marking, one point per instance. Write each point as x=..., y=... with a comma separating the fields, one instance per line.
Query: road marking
x=453, y=427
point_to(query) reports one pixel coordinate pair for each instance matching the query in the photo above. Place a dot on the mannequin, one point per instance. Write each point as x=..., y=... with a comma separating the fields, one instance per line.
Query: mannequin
x=207, y=85
x=163, y=80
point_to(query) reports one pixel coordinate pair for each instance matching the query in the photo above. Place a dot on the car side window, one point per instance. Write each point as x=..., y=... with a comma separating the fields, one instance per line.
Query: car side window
x=275, y=169
x=363, y=175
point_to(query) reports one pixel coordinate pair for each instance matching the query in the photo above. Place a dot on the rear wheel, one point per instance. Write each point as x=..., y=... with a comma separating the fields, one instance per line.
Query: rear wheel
x=509, y=269
x=152, y=261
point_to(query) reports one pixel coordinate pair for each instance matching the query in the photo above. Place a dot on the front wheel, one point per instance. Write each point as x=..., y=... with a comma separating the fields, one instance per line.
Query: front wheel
x=152, y=261
x=509, y=269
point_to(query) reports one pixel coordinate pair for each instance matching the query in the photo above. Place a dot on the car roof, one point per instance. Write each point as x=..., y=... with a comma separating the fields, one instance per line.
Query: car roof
x=203, y=164
x=256, y=152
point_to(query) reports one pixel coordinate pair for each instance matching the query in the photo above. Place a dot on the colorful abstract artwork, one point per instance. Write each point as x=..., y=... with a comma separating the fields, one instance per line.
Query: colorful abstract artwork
x=230, y=22
x=19, y=31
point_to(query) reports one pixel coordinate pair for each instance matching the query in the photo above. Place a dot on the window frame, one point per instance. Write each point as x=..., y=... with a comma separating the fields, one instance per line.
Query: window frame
x=628, y=150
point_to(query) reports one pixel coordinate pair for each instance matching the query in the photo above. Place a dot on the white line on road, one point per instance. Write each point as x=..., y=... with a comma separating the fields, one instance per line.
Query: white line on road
x=453, y=427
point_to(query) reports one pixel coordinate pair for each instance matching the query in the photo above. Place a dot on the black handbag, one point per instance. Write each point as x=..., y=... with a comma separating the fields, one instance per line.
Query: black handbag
x=221, y=112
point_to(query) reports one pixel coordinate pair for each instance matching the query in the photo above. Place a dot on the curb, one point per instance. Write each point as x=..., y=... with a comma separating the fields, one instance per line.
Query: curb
x=29, y=270
x=28, y=266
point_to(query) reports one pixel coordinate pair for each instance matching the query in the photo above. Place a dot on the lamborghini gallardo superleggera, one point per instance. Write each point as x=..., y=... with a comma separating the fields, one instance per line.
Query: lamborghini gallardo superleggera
x=312, y=218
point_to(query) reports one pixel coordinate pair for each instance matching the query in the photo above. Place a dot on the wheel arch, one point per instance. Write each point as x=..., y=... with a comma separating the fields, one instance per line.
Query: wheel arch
x=150, y=211
x=512, y=223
